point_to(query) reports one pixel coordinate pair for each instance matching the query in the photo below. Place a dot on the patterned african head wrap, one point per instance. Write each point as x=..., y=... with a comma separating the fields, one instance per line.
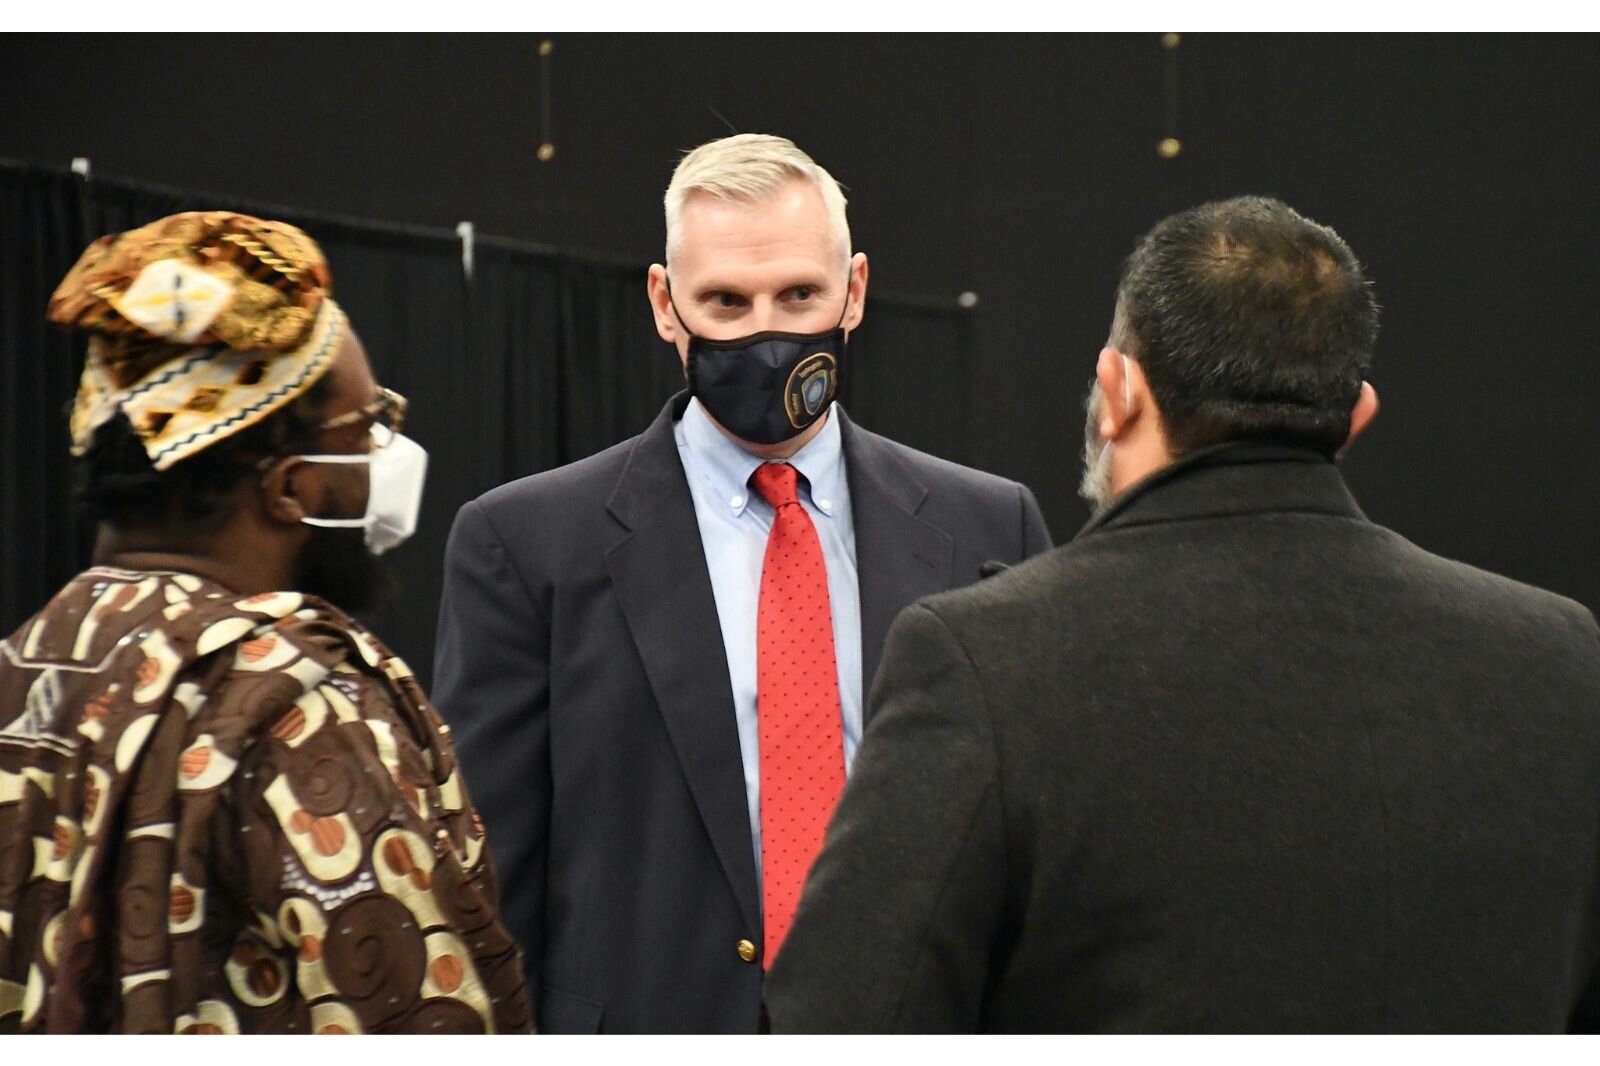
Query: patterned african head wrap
x=201, y=324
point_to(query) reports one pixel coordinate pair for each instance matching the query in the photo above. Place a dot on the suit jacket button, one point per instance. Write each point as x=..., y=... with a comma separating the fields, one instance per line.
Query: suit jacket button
x=747, y=951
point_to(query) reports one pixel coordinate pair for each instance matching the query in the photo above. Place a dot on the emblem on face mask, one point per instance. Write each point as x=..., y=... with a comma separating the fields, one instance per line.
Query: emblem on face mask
x=811, y=386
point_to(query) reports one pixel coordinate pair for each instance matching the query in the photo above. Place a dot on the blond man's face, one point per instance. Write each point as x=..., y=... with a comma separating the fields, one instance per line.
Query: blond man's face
x=740, y=268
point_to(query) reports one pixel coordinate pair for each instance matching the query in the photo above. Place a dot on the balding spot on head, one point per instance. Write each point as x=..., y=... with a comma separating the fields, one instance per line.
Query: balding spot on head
x=1249, y=320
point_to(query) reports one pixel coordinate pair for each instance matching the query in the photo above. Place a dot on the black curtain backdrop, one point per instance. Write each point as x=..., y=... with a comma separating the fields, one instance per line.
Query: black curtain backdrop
x=41, y=218
x=1018, y=166
x=538, y=357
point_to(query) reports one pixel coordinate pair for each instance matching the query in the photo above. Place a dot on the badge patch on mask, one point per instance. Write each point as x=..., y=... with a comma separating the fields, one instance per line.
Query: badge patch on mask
x=811, y=387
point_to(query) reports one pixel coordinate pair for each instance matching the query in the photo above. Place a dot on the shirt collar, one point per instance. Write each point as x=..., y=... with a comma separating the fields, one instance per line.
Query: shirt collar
x=726, y=467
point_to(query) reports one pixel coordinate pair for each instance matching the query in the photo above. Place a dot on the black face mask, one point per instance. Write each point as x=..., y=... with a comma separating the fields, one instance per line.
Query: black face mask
x=768, y=387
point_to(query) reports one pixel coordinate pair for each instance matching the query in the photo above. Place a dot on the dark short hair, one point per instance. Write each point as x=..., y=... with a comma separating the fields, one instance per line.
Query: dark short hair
x=114, y=481
x=1249, y=320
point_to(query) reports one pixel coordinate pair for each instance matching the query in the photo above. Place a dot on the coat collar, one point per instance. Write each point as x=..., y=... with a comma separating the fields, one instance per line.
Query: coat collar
x=652, y=475
x=1235, y=478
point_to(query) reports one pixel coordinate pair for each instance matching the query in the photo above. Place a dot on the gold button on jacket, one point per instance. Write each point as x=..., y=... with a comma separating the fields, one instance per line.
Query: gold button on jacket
x=747, y=951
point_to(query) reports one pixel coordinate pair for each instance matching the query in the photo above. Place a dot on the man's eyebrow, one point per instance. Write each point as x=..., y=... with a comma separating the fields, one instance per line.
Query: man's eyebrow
x=714, y=286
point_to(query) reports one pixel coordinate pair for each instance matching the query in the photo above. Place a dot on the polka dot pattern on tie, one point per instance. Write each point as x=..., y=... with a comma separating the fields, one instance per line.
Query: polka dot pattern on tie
x=797, y=702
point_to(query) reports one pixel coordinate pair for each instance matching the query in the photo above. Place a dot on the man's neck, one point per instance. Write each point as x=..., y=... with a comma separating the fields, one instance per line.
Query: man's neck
x=1136, y=458
x=175, y=562
x=244, y=572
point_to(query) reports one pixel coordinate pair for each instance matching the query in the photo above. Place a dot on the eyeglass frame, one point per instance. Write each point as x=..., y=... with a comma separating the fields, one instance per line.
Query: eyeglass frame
x=388, y=403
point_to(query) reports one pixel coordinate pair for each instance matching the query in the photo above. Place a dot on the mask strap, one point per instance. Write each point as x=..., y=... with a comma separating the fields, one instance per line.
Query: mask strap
x=360, y=457
x=266, y=465
x=340, y=523
x=674, y=305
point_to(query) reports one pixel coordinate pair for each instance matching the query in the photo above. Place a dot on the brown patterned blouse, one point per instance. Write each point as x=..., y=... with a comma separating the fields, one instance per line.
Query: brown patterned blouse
x=234, y=815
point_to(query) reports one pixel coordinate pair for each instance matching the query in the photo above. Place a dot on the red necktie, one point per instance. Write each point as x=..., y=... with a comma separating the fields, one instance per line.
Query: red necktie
x=797, y=703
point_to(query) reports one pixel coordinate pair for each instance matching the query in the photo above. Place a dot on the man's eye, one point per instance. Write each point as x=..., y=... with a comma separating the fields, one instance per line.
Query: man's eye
x=725, y=299
x=803, y=292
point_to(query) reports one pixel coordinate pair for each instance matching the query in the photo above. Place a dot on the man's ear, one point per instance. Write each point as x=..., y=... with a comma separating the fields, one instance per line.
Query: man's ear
x=1361, y=415
x=282, y=488
x=857, y=292
x=661, y=303
x=1119, y=403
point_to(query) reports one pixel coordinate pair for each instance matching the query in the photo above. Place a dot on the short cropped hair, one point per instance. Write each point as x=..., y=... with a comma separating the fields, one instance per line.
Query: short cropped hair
x=1249, y=320
x=747, y=168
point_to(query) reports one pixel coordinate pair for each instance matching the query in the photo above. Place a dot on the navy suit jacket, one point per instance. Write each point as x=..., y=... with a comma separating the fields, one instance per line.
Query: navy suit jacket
x=581, y=667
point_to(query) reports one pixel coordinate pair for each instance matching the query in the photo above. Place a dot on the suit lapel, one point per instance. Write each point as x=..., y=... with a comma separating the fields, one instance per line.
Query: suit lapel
x=660, y=575
x=899, y=556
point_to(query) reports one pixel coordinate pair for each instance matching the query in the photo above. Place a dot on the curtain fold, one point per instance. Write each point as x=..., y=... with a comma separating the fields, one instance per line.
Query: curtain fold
x=42, y=231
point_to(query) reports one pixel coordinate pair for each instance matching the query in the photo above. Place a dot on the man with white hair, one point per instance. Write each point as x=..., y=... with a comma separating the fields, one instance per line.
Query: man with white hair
x=655, y=659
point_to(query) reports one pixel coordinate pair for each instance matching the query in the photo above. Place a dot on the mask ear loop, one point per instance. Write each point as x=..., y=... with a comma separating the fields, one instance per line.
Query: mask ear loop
x=688, y=366
x=360, y=457
x=264, y=466
x=343, y=523
x=346, y=459
x=846, y=308
x=672, y=303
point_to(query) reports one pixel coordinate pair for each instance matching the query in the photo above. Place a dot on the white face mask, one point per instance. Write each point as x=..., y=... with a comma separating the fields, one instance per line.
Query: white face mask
x=396, y=471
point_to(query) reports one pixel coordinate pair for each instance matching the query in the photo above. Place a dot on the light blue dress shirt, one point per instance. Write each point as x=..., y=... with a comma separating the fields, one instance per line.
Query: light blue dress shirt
x=734, y=524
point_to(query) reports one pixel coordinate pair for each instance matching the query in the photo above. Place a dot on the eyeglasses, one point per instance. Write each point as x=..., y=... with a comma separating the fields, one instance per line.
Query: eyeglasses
x=387, y=414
